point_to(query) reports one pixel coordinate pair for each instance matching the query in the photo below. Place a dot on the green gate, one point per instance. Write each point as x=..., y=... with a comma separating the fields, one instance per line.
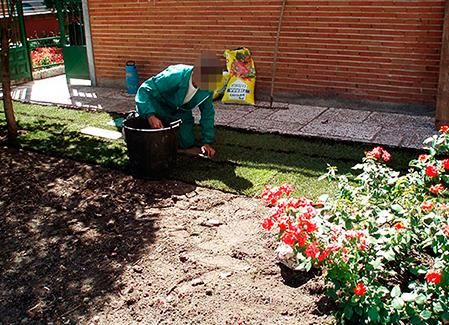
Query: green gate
x=73, y=38
x=19, y=57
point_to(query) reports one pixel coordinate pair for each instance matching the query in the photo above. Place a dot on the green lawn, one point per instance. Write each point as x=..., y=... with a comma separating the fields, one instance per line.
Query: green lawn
x=244, y=164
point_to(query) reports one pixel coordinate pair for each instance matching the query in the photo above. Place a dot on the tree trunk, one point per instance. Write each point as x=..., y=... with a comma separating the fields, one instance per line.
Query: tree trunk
x=6, y=83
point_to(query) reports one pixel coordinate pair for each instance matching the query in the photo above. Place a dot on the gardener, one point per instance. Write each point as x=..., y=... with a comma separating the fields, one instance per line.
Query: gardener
x=173, y=94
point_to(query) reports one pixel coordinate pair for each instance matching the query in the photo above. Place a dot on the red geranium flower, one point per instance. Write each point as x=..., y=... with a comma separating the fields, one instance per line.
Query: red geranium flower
x=432, y=171
x=444, y=128
x=436, y=189
x=446, y=164
x=427, y=206
x=433, y=277
x=288, y=238
x=324, y=254
x=301, y=237
x=378, y=153
x=360, y=289
x=267, y=224
x=399, y=226
x=312, y=251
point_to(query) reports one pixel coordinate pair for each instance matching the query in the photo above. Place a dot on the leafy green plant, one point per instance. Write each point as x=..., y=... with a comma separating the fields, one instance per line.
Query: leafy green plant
x=382, y=243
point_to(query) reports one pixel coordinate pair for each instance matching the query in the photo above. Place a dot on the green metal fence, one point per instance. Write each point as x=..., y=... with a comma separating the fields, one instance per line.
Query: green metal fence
x=19, y=56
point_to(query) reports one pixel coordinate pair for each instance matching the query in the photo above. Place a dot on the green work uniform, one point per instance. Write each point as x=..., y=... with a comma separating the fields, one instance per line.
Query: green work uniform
x=163, y=96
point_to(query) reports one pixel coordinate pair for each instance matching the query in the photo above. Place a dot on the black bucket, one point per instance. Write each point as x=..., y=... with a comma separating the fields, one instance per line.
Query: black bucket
x=152, y=152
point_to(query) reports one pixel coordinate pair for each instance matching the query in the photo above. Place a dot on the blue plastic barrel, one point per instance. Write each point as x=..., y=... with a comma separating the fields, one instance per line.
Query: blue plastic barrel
x=132, y=78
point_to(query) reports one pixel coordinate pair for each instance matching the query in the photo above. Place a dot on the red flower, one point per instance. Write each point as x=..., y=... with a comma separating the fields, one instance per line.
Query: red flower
x=312, y=251
x=267, y=224
x=432, y=171
x=301, y=237
x=271, y=195
x=433, y=277
x=283, y=224
x=310, y=226
x=399, y=226
x=360, y=289
x=324, y=254
x=423, y=157
x=436, y=189
x=444, y=128
x=288, y=238
x=446, y=164
x=376, y=153
x=427, y=206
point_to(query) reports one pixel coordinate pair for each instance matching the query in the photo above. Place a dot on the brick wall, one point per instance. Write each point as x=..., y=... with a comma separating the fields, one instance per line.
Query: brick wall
x=377, y=50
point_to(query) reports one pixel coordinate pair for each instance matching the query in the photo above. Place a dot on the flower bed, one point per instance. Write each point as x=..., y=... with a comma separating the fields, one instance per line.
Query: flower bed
x=43, y=57
x=382, y=243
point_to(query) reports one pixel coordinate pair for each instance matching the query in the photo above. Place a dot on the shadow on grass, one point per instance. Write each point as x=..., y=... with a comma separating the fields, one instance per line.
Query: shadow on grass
x=68, y=232
x=244, y=163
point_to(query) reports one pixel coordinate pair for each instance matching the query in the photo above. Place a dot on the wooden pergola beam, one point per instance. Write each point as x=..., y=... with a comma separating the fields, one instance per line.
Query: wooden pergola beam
x=442, y=109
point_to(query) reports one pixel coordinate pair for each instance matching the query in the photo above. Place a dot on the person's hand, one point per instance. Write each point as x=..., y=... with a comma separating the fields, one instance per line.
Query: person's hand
x=208, y=150
x=155, y=123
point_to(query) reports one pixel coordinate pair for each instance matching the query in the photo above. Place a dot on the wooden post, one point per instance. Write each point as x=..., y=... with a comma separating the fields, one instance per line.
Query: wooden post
x=442, y=109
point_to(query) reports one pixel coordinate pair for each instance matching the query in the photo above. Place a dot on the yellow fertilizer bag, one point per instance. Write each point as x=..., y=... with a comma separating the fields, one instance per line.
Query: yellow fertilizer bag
x=222, y=85
x=242, y=77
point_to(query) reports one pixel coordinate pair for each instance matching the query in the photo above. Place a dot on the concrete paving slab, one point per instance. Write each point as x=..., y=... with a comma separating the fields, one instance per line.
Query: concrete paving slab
x=298, y=113
x=388, y=136
x=414, y=137
x=341, y=130
x=367, y=125
x=226, y=117
x=263, y=104
x=265, y=125
x=400, y=120
x=280, y=105
x=233, y=107
x=260, y=113
x=344, y=115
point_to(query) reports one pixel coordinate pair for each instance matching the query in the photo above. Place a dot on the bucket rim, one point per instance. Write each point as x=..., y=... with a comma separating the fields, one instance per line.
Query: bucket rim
x=172, y=126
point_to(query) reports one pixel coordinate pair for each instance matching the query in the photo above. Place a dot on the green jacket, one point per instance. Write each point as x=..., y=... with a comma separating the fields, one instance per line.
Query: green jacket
x=163, y=96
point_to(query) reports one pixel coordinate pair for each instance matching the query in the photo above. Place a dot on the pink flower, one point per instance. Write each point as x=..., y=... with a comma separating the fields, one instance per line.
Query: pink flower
x=360, y=289
x=423, y=157
x=378, y=153
x=436, y=189
x=446, y=164
x=432, y=171
x=386, y=156
x=363, y=245
x=433, y=277
x=427, y=206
